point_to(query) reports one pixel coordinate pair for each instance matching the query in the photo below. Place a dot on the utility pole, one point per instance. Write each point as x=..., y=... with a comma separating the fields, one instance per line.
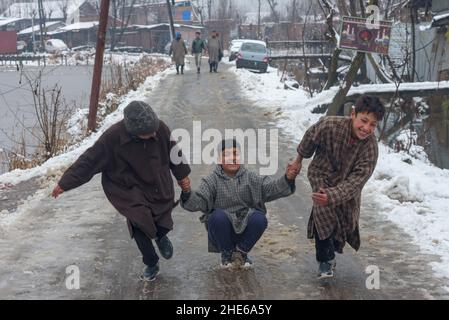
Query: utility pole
x=41, y=22
x=33, y=38
x=98, y=66
x=170, y=17
x=258, y=22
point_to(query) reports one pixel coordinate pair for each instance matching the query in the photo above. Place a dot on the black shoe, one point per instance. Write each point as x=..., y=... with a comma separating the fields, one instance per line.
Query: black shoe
x=150, y=273
x=246, y=260
x=326, y=269
x=226, y=259
x=165, y=247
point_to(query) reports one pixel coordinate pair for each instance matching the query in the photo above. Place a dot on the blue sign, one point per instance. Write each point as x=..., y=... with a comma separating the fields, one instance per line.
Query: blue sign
x=186, y=15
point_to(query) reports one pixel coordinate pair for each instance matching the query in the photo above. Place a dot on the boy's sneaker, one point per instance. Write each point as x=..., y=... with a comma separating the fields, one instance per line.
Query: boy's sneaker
x=326, y=269
x=150, y=273
x=226, y=259
x=165, y=247
x=246, y=261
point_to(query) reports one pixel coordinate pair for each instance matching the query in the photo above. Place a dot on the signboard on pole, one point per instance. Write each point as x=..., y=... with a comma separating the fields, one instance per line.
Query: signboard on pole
x=361, y=34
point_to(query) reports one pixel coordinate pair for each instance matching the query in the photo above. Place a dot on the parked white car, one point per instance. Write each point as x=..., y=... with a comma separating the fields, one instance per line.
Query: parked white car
x=55, y=45
x=253, y=55
x=21, y=46
x=234, y=48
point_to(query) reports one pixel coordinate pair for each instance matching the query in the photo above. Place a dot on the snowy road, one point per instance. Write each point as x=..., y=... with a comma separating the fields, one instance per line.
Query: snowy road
x=81, y=228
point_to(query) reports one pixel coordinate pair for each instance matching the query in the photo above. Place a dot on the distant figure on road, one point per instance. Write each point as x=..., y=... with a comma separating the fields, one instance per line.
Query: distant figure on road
x=346, y=154
x=133, y=156
x=214, y=49
x=197, y=49
x=233, y=199
x=179, y=50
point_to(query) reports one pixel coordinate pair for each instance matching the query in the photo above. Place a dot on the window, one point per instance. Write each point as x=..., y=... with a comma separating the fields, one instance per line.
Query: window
x=253, y=47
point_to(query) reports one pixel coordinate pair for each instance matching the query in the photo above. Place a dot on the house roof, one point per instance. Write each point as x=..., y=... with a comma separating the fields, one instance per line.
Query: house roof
x=52, y=9
x=79, y=26
x=36, y=27
x=5, y=22
x=152, y=26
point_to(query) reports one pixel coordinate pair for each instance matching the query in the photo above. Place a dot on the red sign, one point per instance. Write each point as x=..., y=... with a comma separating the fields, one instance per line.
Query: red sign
x=361, y=35
x=8, y=42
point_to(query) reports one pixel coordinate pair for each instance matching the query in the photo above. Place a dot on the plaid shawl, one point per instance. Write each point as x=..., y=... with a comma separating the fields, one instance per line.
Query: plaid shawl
x=342, y=168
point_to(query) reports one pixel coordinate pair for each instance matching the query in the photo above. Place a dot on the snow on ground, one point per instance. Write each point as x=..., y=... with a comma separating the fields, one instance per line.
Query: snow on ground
x=410, y=191
x=54, y=167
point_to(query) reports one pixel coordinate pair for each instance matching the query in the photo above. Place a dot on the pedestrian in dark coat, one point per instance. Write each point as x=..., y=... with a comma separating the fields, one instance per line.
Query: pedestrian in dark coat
x=345, y=156
x=179, y=50
x=214, y=50
x=133, y=156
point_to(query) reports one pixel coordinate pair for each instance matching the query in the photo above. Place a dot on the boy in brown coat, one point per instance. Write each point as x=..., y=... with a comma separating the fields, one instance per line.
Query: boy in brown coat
x=133, y=156
x=345, y=154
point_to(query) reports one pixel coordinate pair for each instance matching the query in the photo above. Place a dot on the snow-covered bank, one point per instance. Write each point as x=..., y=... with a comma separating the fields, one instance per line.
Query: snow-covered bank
x=76, y=58
x=54, y=167
x=414, y=196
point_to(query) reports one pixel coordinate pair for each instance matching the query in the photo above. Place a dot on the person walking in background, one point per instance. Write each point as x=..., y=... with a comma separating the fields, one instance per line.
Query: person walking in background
x=197, y=49
x=179, y=50
x=214, y=48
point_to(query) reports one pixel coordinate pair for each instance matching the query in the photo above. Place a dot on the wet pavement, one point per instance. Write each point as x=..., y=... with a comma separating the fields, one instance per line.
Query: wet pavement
x=81, y=228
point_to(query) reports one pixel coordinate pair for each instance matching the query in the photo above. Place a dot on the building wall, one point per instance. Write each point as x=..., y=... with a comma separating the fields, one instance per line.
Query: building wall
x=440, y=5
x=157, y=13
x=8, y=45
x=151, y=40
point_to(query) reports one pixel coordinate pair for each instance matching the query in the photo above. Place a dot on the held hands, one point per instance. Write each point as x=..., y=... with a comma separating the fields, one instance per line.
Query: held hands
x=293, y=168
x=291, y=172
x=57, y=191
x=184, y=184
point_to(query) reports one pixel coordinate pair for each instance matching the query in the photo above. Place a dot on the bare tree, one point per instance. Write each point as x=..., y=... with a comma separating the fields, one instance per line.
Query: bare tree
x=122, y=13
x=209, y=9
x=338, y=101
x=329, y=12
x=273, y=4
x=306, y=62
x=63, y=5
x=52, y=114
x=4, y=5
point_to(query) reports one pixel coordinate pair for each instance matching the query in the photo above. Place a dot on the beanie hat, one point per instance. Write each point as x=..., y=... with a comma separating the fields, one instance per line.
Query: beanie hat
x=140, y=118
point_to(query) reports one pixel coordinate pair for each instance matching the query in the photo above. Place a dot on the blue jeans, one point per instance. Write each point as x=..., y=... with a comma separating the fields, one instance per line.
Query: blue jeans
x=222, y=234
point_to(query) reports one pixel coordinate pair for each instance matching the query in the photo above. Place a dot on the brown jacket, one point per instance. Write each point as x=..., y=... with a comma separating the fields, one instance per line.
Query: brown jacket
x=135, y=175
x=342, y=169
x=179, y=50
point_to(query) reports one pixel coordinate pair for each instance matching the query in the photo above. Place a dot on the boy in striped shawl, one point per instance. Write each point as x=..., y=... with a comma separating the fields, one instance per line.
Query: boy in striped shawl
x=345, y=154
